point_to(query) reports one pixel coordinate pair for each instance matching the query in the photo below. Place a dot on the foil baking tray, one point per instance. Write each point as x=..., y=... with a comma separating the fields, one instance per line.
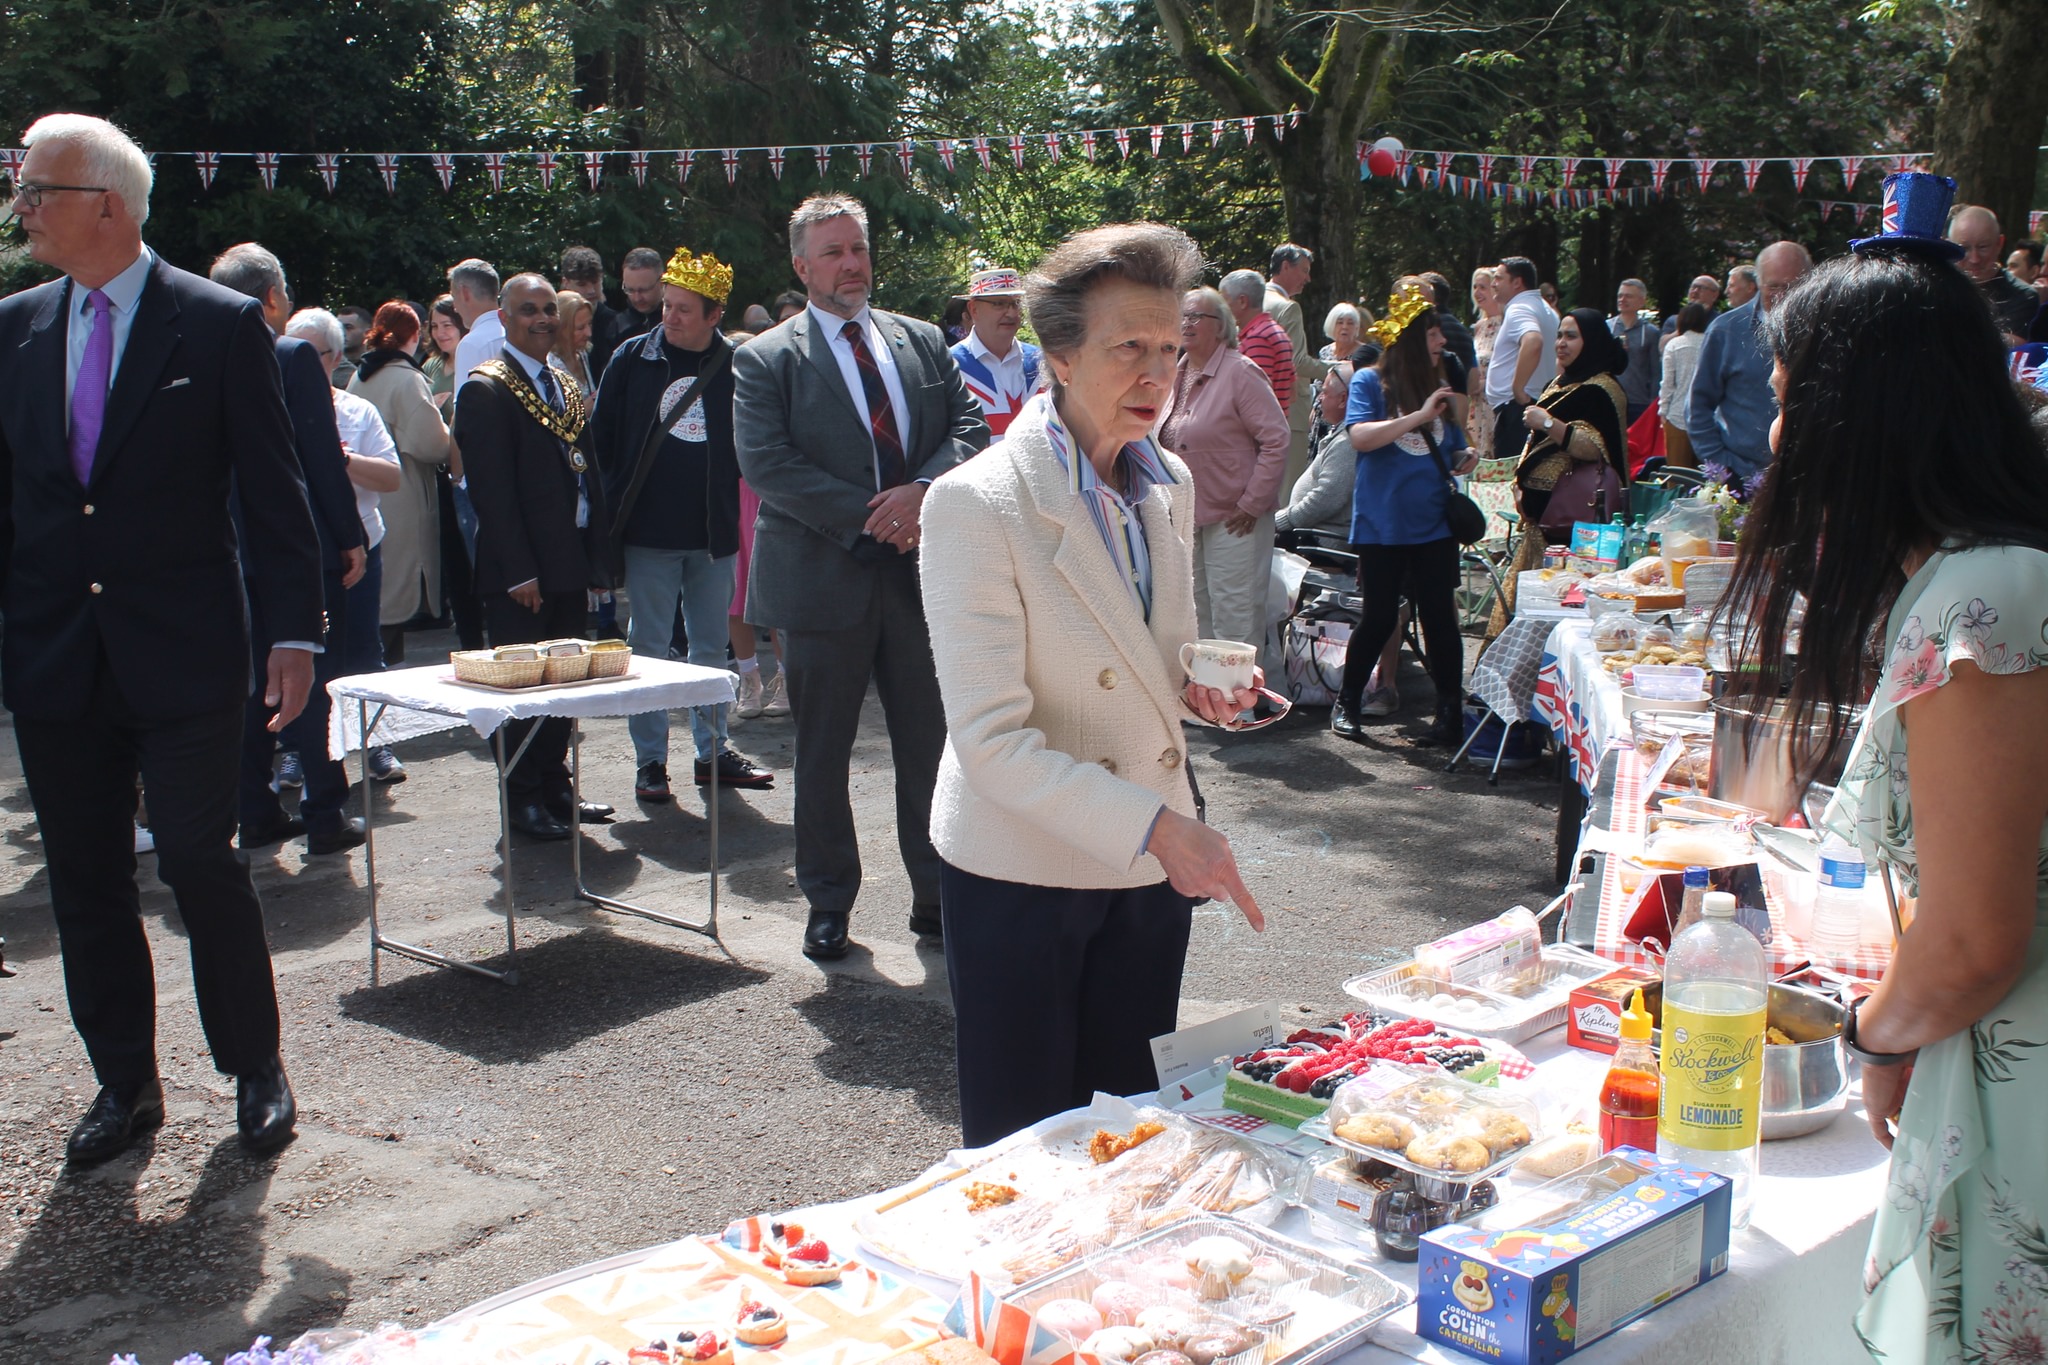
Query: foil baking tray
x=1342, y=1297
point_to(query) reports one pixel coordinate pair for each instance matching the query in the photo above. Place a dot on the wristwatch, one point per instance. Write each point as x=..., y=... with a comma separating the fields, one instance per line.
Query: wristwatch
x=1549, y=424
x=1862, y=1054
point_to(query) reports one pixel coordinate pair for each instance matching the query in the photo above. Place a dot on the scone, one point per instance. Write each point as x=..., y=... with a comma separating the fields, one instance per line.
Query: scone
x=1389, y=1132
x=1462, y=1155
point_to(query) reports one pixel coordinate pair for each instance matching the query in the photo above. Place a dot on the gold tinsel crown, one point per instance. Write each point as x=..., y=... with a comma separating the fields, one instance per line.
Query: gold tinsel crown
x=706, y=274
x=1402, y=308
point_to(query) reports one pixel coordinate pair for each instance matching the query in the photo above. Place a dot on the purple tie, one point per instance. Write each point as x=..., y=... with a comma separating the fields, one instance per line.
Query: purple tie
x=89, y=395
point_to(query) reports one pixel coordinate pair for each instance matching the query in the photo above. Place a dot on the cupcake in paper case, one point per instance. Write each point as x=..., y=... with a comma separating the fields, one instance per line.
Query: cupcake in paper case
x=1219, y=1265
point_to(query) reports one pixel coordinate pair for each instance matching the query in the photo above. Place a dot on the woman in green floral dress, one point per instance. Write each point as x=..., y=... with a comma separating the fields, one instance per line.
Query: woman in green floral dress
x=1909, y=507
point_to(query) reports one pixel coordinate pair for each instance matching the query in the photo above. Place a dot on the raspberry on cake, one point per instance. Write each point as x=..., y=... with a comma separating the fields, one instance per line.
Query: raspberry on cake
x=809, y=1262
x=781, y=1236
x=702, y=1348
x=760, y=1325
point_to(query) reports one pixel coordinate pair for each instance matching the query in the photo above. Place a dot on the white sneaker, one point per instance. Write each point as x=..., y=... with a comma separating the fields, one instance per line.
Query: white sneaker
x=1381, y=701
x=145, y=842
x=749, y=701
x=774, y=699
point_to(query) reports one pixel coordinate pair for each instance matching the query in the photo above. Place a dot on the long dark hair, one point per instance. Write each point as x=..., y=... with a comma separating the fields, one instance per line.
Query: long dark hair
x=1901, y=433
x=1600, y=351
x=1407, y=371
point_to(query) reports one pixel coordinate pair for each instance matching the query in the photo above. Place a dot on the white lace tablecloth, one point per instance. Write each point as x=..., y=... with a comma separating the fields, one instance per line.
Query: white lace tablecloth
x=424, y=700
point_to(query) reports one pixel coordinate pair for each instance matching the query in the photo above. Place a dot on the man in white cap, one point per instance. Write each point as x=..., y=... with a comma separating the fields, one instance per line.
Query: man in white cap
x=1001, y=371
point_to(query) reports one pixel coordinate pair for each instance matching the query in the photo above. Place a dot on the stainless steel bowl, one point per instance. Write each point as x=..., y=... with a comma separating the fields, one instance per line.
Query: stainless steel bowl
x=1806, y=1083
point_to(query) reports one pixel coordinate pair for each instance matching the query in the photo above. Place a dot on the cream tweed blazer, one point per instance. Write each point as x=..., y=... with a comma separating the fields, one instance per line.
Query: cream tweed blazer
x=1063, y=708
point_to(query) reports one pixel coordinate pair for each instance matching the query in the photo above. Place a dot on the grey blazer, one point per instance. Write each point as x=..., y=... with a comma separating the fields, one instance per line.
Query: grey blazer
x=805, y=451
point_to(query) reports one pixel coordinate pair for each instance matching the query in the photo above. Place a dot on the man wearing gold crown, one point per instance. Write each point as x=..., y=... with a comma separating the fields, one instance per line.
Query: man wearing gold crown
x=662, y=437
x=540, y=540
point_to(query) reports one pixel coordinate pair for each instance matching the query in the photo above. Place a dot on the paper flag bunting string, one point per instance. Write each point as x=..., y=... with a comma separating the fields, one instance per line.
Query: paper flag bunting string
x=1802, y=166
x=330, y=166
x=1187, y=138
x=387, y=166
x=638, y=161
x=593, y=168
x=1702, y=173
x=2035, y=219
x=1903, y=163
x=903, y=152
x=1123, y=143
x=444, y=168
x=1660, y=171
x=1852, y=167
x=1567, y=171
x=1403, y=159
x=776, y=156
x=866, y=152
x=1017, y=150
x=1280, y=127
x=946, y=151
x=981, y=151
x=1088, y=143
x=1052, y=147
x=1752, y=167
x=10, y=162
x=266, y=167
x=547, y=162
x=1527, y=166
x=494, y=163
x=1217, y=128
x=1155, y=140
x=1486, y=167
x=731, y=157
x=685, y=159
x=209, y=165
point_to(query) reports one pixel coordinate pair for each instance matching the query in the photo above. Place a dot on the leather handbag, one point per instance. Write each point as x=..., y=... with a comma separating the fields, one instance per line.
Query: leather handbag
x=1589, y=491
x=1466, y=518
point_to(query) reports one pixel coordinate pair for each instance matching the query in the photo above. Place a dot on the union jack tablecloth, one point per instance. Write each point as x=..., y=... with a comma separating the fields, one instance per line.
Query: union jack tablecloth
x=1578, y=699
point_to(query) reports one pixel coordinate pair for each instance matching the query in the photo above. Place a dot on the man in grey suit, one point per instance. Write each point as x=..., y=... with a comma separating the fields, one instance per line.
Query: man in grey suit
x=842, y=416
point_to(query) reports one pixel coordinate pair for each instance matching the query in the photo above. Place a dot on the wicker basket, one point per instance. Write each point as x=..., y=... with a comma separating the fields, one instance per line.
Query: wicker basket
x=610, y=658
x=565, y=667
x=478, y=666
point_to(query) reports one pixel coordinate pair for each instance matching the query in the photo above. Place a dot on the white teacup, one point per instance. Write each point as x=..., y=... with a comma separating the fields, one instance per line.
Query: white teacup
x=1226, y=665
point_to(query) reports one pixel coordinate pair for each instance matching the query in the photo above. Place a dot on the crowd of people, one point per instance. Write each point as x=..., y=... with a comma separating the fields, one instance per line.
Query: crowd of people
x=217, y=502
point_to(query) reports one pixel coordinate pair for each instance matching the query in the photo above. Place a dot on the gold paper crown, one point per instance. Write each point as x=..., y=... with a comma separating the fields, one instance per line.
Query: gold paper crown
x=705, y=274
x=1402, y=309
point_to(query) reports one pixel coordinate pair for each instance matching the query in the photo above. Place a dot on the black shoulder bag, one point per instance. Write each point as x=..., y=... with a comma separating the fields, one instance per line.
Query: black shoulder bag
x=657, y=432
x=1466, y=518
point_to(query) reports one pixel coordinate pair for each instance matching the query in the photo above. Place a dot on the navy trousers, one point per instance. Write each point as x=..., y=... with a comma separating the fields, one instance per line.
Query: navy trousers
x=1057, y=994
x=327, y=785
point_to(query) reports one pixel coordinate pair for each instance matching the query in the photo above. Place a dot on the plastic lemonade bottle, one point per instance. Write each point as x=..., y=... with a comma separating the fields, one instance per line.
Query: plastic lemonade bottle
x=1716, y=994
x=1628, y=1099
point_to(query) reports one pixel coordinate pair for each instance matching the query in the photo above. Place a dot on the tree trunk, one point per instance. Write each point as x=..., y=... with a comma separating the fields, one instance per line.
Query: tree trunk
x=1319, y=190
x=1993, y=105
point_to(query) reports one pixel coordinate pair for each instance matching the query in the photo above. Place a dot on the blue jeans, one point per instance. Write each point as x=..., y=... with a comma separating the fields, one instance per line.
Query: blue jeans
x=655, y=581
x=362, y=645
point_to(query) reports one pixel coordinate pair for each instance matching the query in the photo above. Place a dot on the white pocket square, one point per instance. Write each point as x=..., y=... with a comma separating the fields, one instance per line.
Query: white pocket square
x=175, y=384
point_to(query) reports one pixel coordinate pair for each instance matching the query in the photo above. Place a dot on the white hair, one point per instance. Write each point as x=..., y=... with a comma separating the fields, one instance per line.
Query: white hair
x=1248, y=286
x=112, y=159
x=1343, y=312
x=319, y=326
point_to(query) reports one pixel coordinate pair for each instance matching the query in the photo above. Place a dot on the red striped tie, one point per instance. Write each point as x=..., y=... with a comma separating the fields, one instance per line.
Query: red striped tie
x=881, y=415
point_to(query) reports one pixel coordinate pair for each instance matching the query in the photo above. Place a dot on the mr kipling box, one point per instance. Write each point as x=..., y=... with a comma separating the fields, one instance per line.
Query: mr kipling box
x=1538, y=1276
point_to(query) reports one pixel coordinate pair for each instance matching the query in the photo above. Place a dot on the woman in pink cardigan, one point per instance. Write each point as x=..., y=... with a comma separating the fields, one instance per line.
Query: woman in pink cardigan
x=1223, y=419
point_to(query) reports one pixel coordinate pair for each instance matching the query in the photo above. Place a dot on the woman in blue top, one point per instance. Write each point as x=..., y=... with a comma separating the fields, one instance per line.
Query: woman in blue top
x=1401, y=424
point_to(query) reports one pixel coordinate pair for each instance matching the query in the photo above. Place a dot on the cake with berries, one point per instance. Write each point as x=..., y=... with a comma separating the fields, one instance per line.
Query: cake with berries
x=809, y=1262
x=761, y=1325
x=1293, y=1083
x=701, y=1348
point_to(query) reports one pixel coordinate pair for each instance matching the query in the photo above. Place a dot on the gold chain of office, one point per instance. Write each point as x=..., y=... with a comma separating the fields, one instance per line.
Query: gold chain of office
x=567, y=425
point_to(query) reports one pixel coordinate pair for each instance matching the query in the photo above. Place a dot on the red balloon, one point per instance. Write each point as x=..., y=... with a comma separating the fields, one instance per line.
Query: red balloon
x=1380, y=161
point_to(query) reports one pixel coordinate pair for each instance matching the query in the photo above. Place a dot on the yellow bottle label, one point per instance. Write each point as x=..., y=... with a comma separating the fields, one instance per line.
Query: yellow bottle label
x=1713, y=1069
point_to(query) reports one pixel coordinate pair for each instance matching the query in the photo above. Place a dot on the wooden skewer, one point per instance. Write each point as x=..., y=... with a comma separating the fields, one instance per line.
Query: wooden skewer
x=919, y=1191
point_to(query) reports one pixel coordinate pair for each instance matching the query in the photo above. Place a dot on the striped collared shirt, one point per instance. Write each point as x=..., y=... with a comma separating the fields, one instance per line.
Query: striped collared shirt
x=1115, y=514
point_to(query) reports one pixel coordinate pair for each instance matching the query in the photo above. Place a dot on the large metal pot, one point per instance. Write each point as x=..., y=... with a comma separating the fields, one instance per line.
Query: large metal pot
x=1754, y=760
x=1806, y=1083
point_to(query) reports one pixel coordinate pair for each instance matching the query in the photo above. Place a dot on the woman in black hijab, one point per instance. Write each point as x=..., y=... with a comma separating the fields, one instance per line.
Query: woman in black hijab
x=1577, y=453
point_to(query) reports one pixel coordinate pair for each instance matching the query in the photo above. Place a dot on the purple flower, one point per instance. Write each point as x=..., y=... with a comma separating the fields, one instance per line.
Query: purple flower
x=257, y=1354
x=1715, y=473
x=124, y=1360
x=193, y=1359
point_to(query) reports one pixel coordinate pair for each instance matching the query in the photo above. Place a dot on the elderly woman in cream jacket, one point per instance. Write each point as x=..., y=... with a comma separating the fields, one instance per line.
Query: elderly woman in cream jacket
x=1059, y=585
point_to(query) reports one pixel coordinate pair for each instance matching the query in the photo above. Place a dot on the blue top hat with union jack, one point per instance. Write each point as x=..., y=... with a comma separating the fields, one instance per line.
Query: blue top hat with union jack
x=1916, y=206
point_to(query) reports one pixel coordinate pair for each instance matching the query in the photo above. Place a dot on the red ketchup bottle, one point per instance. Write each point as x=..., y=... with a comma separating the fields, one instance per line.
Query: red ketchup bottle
x=1628, y=1100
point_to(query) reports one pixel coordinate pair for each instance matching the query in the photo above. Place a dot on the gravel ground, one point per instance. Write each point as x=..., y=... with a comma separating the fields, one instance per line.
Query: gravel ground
x=459, y=1137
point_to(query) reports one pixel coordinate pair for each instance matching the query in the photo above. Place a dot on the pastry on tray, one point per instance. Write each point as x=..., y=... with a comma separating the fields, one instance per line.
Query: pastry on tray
x=1106, y=1146
x=1218, y=1264
x=1119, y=1345
x=1458, y=1155
x=702, y=1348
x=761, y=1325
x=988, y=1194
x=1073, y=1319
x=809, y=1262
x=1388, y=1131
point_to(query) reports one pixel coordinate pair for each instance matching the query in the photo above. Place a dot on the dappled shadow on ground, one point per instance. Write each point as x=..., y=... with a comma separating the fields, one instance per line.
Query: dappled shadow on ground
x=571, y=988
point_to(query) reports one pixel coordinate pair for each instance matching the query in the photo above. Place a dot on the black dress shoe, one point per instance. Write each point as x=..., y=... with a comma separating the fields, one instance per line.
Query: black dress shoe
x=336, y=836
x=264, y=833
x=825, y=935
x=264, y=1109
x=926, y=923
x=735, y=769
x=1448, y=731
x=1344, y=722
x=592, y=812
x=115, y=1120
x=534, y=822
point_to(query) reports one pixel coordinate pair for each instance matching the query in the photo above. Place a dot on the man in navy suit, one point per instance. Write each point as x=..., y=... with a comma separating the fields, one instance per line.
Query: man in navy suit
x=133, y=396
x=249, y=269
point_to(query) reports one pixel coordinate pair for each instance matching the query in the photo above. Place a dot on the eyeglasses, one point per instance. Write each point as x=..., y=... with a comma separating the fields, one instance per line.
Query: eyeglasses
x=1196, y=317
x=32, y=195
